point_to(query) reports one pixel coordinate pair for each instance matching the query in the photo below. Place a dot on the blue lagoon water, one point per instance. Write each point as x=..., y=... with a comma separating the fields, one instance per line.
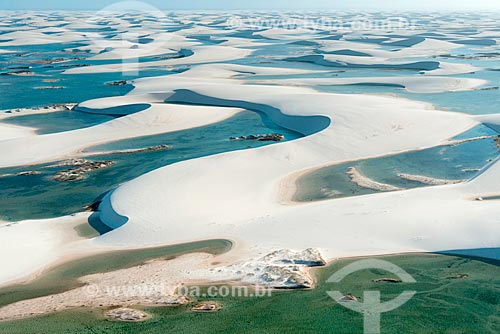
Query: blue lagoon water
x=38, y=196
x=450, y=162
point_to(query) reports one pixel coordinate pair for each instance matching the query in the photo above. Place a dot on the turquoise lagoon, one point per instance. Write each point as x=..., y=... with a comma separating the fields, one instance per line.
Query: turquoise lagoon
x=42, y=197
x=449, y=162
x=38, y=196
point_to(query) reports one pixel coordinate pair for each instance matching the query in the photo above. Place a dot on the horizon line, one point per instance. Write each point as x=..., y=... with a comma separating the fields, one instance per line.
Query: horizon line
x=274, y=10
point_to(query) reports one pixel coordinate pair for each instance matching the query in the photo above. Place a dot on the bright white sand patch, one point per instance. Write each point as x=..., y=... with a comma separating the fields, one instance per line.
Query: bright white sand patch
x=8, y=131
x=163, y=282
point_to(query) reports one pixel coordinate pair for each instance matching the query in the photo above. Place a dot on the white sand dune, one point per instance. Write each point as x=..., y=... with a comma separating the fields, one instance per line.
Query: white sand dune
x=374, y=56
x=8, y=131
x=36, y=37
x=287, y=34
x=62, y=107
x=158, y=118
x=446, y=68
x=243, y=196
x=427, y=48
x=239, y=42
x=336, y=45
x=237, y=195
x=210, y=72
x=202, y=30
x=422, y=84
x=161, y=44
x=365, y=182
x=202, y=55
x=28, y=246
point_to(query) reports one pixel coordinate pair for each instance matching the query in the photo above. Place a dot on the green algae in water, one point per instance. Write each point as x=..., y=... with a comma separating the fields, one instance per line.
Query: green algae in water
x=64, y=277
x=441, y=305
